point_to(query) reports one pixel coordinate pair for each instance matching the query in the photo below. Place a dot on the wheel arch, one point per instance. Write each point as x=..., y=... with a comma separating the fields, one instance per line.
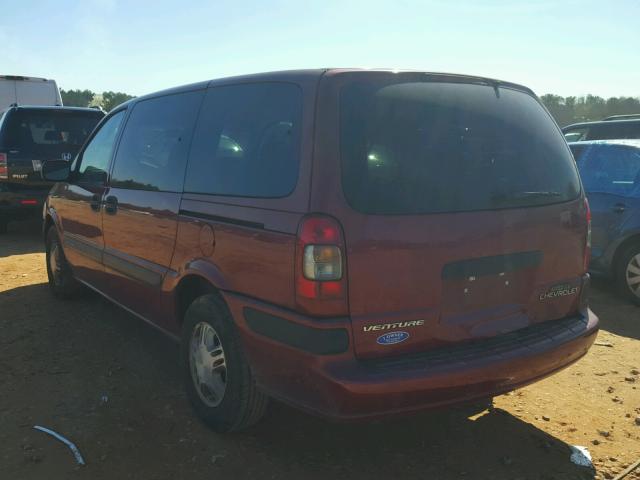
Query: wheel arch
x=633, y=239
x=50, y=220
x=189, y=288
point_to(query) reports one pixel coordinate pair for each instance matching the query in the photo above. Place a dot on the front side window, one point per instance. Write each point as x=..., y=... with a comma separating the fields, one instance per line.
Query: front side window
x=427, y=147
x=94, y=163
x=155, y=143
x=247, y=142
x=612, y=169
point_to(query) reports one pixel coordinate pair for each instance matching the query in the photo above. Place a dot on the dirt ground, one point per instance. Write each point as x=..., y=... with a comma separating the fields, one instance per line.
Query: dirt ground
x=110, y=383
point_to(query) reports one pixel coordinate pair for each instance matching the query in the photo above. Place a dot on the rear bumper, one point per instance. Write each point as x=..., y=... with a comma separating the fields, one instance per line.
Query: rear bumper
x=20, y=204
x=336, y=384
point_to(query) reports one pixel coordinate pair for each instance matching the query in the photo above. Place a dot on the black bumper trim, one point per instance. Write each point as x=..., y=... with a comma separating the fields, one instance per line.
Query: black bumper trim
x=533, y=338
x=319, y=341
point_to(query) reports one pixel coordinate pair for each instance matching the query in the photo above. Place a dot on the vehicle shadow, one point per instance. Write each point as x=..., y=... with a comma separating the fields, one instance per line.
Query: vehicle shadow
x=441, y=444
x=114, y=385
x=617, y=315
x=22, y=238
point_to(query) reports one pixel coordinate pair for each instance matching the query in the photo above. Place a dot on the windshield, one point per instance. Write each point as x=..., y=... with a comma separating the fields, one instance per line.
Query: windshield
x=426, y=147
x=31, y=129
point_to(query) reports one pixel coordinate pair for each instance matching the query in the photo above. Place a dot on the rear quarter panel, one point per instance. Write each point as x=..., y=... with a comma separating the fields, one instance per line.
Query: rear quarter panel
x=247, y=245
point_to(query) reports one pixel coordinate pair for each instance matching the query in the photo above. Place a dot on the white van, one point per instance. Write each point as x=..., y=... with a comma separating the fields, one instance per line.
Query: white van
x=28, y=91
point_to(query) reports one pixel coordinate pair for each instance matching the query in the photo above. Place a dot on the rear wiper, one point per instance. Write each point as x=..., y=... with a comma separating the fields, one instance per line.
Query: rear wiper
x=503, y=196
x=535, y=194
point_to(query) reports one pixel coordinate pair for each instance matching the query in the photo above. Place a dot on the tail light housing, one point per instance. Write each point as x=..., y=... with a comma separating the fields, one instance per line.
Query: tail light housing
x=320, y=277
x=4, y=169
x=587, y=246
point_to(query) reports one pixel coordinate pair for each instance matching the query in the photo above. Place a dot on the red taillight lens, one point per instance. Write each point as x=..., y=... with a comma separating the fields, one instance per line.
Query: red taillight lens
x=321, y=287
x=4, y=171
x=28, y=202
x=587, y=246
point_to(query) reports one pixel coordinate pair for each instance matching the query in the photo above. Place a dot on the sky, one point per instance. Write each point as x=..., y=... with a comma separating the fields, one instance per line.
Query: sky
x=563, y=47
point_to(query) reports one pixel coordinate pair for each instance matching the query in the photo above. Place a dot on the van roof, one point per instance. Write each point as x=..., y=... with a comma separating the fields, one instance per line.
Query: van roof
x=307, y=74
x=54, y=107
x=23, y=78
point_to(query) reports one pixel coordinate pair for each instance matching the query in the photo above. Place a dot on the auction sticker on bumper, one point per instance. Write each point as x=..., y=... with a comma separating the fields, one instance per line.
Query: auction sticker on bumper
x=392, y=338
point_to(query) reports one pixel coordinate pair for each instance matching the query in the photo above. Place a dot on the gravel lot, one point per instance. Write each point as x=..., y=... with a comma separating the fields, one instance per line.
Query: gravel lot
x=110, y=383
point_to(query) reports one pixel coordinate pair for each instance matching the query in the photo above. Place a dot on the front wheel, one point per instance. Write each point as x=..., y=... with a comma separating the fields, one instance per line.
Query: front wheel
x=628, y=274
x=61, y=281
x=216, y=374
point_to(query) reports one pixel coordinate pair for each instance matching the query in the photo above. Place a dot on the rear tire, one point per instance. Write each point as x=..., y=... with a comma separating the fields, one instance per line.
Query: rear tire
x=628, y=274
x=216, y=374
x=61, y=280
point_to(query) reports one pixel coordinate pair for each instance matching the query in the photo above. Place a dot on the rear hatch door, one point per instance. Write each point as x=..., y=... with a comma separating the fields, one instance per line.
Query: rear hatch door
x=466, y=218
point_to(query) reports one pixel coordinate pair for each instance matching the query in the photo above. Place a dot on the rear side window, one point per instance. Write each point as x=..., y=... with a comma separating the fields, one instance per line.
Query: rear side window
x=247, y=142
x=427, y=147
x=613, y=169
x=37, y=129
x=614, y=131
x=155, y=143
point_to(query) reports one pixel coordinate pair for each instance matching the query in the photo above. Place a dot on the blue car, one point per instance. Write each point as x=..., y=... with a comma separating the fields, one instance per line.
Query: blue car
x=610, y=171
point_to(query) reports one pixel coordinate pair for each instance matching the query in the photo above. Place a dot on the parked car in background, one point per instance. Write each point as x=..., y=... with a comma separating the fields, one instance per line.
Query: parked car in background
x=30, y=135
x=18, y=90
x=355, y=243
x=610, y=171
x=607, y=129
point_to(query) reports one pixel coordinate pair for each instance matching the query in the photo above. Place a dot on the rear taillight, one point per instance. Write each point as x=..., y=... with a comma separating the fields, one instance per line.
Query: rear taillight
x=321, y=286
x=587, y=246
x=4, y=170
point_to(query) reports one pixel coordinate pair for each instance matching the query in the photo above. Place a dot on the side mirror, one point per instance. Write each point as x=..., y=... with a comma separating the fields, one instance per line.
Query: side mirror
x=56, y=170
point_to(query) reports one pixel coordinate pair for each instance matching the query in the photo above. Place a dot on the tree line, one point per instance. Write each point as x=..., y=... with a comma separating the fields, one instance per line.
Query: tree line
x=565, y=110
x=87, y=98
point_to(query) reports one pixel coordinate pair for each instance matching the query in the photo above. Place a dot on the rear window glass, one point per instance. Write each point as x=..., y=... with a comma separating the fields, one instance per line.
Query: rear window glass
x=426, y=147
x=39, y=128
x=247, y=142
x=576, y=134
x=612, y=169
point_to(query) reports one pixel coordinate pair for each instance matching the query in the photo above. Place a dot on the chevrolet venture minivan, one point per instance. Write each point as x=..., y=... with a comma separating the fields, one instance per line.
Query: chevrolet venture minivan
x=355, y=243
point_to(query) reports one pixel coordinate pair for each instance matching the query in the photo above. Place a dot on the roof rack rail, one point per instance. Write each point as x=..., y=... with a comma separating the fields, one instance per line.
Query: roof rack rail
x=631, y=116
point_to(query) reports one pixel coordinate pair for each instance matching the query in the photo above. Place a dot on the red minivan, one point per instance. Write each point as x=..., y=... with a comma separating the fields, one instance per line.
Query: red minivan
x=355, y=243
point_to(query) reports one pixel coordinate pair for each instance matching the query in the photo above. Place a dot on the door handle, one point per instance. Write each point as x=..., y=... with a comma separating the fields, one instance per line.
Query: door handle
x=619, y=207
x=111, y=204
x=95, y=203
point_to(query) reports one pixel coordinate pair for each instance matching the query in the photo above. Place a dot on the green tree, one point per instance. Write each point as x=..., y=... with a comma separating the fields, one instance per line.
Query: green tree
x=588, y=108
x=113, y=99
x=76, y=98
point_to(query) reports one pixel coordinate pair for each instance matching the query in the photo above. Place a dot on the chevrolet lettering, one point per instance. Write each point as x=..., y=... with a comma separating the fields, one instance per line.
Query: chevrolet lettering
x=559, y=291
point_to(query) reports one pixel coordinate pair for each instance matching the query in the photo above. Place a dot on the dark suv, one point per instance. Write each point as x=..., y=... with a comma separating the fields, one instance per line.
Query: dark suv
x=608, y=129
x=355, y=243
x=28, y=137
